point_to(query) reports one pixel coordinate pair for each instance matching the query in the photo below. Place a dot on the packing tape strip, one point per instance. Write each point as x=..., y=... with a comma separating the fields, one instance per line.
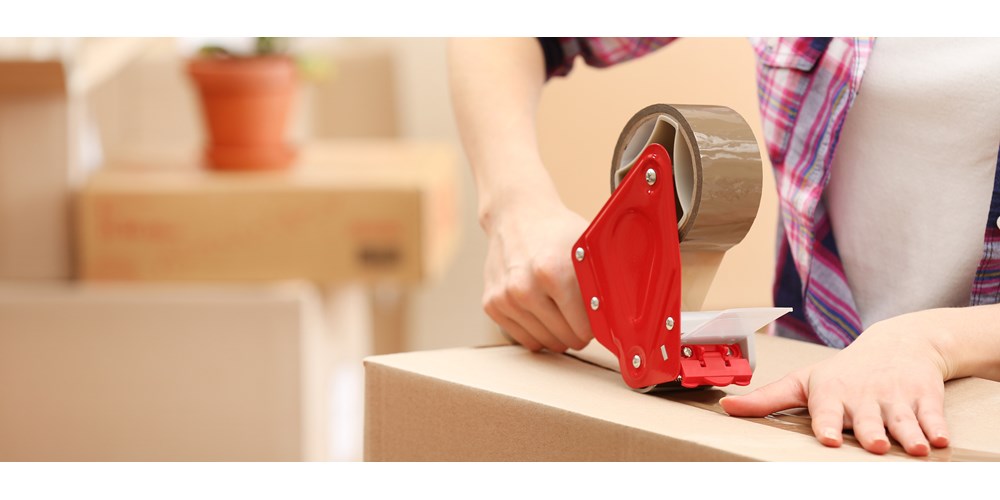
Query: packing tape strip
x=717, y=179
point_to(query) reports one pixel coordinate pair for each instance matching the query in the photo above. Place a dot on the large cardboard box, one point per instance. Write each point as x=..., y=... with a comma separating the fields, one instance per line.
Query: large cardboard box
x=506, y=403
x=173, y=372
x=374, y=210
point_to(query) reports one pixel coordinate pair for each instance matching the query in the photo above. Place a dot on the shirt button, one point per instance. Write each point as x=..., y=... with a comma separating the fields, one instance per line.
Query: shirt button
x=998, y=222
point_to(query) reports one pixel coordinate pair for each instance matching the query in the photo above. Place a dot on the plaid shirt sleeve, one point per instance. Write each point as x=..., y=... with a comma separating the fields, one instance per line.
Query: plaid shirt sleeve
x=560, y=53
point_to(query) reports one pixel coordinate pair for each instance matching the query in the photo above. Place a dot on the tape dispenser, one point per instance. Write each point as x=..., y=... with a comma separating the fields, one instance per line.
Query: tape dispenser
x=686, y=184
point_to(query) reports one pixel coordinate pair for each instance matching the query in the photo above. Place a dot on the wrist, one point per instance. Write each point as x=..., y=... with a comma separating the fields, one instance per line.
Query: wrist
x=512, y=189
x=930, y=332
x=503, y=207
x=939, y=333
x=967, y=340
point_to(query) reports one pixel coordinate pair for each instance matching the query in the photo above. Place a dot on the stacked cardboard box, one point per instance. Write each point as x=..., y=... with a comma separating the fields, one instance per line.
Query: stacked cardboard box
x=372, y=210
x=43, y=83
x=35, y=165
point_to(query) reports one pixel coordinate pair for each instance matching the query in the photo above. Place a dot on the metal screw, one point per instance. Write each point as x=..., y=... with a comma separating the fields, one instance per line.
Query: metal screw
x=651, y=177
x=594, y=303
x=579, y=254
x=636, y=361
x=687, y=352
x=670, y=322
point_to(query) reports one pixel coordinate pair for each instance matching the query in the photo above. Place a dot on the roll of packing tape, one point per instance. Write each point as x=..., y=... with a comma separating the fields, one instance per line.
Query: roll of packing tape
x=717, y=178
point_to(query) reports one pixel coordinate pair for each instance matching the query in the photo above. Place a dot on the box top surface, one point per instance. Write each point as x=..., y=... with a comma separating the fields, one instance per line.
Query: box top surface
x=582, y=383
x=330, y=164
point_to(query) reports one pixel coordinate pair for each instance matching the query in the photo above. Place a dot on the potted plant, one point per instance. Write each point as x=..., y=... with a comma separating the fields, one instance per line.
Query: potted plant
x=246, y=100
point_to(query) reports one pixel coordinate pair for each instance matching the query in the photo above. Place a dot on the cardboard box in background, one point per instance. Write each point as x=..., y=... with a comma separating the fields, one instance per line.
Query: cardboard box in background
x=44, y=143
x=144, y=372
x=506, y=403
x=35, y=167
x=375, y=210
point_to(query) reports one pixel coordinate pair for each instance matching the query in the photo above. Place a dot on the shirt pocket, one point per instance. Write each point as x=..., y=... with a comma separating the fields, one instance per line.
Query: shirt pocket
x=785, y=67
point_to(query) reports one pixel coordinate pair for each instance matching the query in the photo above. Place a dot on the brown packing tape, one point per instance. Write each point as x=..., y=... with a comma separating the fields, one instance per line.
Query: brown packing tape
x=717, y=180
x=697, y=273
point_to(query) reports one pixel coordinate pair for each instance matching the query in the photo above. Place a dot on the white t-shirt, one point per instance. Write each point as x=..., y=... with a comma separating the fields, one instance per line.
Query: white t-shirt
x=913, y=172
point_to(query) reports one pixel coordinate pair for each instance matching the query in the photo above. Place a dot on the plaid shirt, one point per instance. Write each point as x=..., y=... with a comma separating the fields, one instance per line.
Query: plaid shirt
x=805, y=87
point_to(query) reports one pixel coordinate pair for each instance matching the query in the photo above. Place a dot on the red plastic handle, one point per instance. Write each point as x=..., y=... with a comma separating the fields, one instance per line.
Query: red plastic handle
x=628, y=267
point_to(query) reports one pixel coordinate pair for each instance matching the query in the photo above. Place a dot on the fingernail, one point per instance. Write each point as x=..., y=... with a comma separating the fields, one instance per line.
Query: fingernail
x=920, y=449
x=831, y=434
x=941, y=438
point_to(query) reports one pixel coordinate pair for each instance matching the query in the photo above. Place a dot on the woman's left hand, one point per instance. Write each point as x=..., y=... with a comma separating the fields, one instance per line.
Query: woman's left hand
x=891, y=377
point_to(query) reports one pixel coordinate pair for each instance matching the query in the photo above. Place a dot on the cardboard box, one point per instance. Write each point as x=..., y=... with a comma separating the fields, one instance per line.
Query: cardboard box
x=42, y=144
x=157, y=373
x=35, y=165
x=506, y=403
x=350, y=210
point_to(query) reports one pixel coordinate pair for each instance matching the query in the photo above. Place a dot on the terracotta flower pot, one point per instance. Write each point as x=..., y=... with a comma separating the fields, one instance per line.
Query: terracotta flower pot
x=246, y=103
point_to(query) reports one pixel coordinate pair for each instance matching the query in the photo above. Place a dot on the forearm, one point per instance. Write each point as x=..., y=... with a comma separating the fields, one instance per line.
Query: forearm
x=495, y=87
x=968, y=339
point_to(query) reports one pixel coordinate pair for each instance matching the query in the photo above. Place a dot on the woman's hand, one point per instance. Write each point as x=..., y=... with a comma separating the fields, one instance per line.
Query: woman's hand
x=891, y=377
x=531, y=289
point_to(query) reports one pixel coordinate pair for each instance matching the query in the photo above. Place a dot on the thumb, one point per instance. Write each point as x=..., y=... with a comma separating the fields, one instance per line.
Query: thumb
x=786, y=393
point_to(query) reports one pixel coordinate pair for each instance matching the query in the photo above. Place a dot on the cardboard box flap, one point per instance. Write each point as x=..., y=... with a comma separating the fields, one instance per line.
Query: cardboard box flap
x=476, y=401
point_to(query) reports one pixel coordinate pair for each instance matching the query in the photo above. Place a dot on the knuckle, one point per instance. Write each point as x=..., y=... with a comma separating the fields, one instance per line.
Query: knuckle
x=492, y=303
x=487, y=302
x=519, y=291
x=548, y=271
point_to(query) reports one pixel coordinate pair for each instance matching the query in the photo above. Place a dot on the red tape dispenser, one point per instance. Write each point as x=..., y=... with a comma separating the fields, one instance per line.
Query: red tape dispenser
x=628, y=261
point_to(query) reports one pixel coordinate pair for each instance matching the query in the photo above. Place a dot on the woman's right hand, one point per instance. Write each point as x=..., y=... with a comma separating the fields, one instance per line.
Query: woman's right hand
x=531, y=290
